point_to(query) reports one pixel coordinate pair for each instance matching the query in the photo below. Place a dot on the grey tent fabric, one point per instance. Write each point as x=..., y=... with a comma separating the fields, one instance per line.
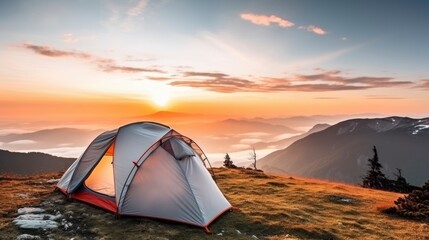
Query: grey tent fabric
x=132, y=142
x=174, y=202
x=157, y=172
x=90, y=157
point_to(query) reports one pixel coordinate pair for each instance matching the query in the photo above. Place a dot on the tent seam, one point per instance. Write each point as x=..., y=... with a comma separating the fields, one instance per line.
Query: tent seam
x=193, y=195
x=120, y=202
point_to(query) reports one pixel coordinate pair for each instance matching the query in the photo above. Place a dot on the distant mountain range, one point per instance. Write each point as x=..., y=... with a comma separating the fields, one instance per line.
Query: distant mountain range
x=340, y=152
x=69, y=142
x=283, y=143
x=25, y=164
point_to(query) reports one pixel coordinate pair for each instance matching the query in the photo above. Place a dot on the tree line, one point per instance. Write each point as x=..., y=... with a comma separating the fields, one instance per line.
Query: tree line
x=413, y=205
x=376, y=179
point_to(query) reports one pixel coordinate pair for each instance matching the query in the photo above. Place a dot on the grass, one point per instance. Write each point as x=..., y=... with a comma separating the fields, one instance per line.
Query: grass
x=16, y=192
x=271, y=207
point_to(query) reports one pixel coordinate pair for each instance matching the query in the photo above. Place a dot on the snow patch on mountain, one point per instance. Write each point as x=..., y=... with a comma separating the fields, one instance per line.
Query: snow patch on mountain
x=418, y=128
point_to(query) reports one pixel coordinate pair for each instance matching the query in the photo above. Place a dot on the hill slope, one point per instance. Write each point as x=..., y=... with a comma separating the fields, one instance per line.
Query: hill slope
x=340, y=152
x=272, y=207
x=31, y=163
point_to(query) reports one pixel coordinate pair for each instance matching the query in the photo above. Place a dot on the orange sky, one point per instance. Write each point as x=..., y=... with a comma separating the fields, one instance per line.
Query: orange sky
x=240, y=59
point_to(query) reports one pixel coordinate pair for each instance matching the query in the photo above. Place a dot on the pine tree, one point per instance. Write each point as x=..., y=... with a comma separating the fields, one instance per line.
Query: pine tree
x=415, y=205
x=228, y=162
x=374, y=177
x=401, y=184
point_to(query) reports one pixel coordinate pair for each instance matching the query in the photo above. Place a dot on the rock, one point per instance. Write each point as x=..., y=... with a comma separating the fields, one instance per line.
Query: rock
x=25, y=210
x=69, y=213
x=220, y=234
x=27, y=236
x=36, y=224
x=255, y=237
x=38, y=217
x=53, y=180
x=238, y=231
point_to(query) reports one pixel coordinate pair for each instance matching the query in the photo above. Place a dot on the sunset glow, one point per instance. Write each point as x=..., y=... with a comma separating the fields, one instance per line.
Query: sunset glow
x=103, y=63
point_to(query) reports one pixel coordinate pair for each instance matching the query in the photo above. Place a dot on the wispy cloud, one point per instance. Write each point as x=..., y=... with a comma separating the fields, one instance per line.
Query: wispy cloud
x=322, y=82
x=71, y=38
x=266, y=20
x=327, y=98
x=205, y=74
x=423, y=84
x=124, y=17
x=52, y=52
x=314, y=29
x=322, y=58
x=104, y=64
x=382, y=97
x=216, y=82
x=137, y=9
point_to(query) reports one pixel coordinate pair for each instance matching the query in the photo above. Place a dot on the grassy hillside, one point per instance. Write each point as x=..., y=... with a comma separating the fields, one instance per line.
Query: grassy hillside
x=272, y=207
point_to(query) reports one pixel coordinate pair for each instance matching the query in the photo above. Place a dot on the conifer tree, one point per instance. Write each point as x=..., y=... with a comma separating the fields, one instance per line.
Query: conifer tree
x=374, y=177
x=401, y=184
x=228, y=162
x=416, y=204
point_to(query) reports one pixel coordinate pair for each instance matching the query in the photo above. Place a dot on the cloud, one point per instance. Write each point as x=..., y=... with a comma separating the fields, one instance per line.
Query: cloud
x=205, y=74
x=159, y=78
x=137, y=9
x=70, y=38
x=423, y=84
x=382, y=97
x=325, y=57
x=314, y=29
x=51, y=52
x=111, y=66
x=224, y=85
x=326, y=98
x=344, y=38
x=103, y=64
x=22, y=142
x=265, y=20
x=322, y=82
x=123, y=16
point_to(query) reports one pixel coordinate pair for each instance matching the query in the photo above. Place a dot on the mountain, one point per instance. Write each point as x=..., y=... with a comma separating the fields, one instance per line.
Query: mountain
x=280, y=144
x=340, y=152
x=232, y=134
x=69, y=142
x=17, y=163
x=305, y=122
x=173, y=118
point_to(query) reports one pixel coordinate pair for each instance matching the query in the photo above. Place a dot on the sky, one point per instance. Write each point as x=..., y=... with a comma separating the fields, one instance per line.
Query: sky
x=71, y=61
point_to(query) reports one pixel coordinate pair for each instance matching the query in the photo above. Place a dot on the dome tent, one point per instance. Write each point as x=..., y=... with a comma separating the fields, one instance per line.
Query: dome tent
x=146, y=169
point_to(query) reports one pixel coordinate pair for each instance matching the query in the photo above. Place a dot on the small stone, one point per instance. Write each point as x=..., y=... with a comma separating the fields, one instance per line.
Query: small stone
x=220, y=234
x=238, y=231
x=27, y=236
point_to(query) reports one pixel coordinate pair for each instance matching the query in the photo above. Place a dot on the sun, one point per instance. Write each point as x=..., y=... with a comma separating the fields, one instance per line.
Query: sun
x=161, y=99
x=160, y=95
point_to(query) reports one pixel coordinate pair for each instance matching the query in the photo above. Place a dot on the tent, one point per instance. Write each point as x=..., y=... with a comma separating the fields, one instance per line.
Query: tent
x=146, y=169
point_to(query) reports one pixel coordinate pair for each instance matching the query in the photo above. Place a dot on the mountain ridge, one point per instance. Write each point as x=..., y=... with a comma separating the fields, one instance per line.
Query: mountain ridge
x=340, y=152
x=31, y=163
